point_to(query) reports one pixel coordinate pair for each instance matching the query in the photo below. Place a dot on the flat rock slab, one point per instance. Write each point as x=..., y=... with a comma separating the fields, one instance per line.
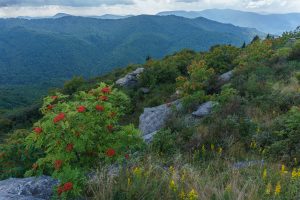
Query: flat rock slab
x=155, y=118
x=130, y=79
x=33, y=188
x=204, y=109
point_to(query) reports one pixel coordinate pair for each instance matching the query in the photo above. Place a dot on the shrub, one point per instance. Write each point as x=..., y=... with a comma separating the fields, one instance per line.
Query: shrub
x=286, y=136
x=77, y=133
x=298, y=76
x=221, y=58
x=295, y=53
x=164, y=142
x=72, y=85
x=15, y=158
x=199, y=78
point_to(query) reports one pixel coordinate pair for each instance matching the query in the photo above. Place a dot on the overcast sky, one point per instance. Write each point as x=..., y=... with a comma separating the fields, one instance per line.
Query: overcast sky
x=13, y=8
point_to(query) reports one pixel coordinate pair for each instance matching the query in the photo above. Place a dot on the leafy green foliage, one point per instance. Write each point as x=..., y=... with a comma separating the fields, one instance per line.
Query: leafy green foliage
x=79, y=132
x=15, y=158
x=221, y=58
x=286, y=136
x=295, y=53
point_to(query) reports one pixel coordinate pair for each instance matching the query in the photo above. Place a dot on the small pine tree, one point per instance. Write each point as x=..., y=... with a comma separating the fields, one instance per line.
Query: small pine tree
x=256, y=38
x=244, y=45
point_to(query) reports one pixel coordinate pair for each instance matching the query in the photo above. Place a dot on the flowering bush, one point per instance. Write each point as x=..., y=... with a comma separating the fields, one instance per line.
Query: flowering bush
x=76, y=133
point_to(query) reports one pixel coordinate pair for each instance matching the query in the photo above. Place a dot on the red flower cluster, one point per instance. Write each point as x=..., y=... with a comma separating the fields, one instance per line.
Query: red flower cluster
x=50, y=107
x=110, y=127
x=59, y=117
x=110, y=152
x=99, y=108
x=69, y=147
x=81, y=109
x=106, y=90
x=58, y=164
x=38, y=130
x=60, y=190
x=66, y=187
x=54, y=97
x=127, y=156
x=103, y=98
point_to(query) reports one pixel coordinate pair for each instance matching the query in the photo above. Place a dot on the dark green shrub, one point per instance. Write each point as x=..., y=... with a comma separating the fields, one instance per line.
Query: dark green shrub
x=295, y=53
x=15, y=158
x=164, y=142
x=286, y=136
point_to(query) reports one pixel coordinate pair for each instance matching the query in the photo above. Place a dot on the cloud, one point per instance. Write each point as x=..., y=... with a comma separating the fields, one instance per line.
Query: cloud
x=13, y=8
x=72, y=3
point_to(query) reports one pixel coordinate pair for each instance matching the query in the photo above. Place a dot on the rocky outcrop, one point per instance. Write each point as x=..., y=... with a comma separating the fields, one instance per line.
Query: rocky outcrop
x=155, y=118
x=130, y=79
x=204, y=109
x=223, y=78
x=33, y=188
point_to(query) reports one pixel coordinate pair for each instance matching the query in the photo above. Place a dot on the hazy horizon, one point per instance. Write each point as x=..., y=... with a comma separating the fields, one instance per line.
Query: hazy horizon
x=43, y=8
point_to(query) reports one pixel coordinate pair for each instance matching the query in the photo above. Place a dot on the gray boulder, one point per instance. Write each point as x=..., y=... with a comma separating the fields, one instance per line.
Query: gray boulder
x=155, y=118
x=204, y=109
x=33, y=188
x=225, y=77
x=130, y=79
x=145, y=90
x=149, y=137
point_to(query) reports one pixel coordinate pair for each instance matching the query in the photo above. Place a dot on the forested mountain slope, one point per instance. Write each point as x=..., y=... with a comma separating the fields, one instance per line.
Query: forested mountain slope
x=41, y=53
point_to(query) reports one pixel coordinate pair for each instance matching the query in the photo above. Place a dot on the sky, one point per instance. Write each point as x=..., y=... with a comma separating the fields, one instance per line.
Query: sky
x=14, y=8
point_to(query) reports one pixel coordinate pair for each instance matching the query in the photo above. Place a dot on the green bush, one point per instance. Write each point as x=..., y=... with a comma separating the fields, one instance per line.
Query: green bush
x=221, y=58
x=295, y=53
x=286, y=136
x=164, y=142
x=15, y=158
x=80, y=132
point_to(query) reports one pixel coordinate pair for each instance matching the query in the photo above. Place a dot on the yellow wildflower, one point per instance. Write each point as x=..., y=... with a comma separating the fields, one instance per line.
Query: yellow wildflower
x=298, y=173
x=212, y=147
x=137, y=171
x=283, y=170
x=269, y=189
x=192, y=195
x=220, y=150
x=264, y=174
x=129, y=181
x=182, y=195
x=294, y=173
x=172, y=185
x=172, y=169
x=228, y=188
x=277, y=188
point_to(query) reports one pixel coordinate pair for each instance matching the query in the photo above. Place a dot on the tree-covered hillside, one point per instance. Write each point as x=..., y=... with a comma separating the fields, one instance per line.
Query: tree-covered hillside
x=58, y=49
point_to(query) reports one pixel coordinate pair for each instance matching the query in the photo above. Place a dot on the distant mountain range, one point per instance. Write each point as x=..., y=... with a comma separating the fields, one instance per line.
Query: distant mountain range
x=41, y=53
x=267, y=23
x=59, y=15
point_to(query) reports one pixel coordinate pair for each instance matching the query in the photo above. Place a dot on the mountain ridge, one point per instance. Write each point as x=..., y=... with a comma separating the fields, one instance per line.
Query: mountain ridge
x=268, y=23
